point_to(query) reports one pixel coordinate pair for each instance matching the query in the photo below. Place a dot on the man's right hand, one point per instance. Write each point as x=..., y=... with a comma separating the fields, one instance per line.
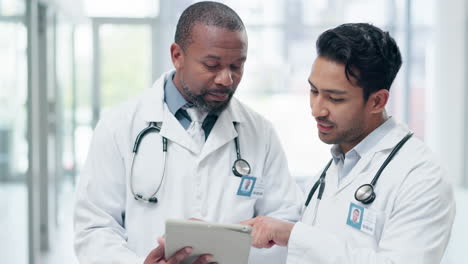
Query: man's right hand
x=156, y=256
x=268, y=231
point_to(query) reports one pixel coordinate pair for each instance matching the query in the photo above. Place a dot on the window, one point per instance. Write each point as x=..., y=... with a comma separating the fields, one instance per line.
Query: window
x=122, y=8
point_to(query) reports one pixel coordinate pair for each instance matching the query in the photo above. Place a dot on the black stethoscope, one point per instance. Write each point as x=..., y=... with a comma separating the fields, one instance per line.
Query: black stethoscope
x=365, y=193
x=240, y=167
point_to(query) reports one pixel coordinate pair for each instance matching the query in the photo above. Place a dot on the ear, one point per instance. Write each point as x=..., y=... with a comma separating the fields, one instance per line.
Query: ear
x=177, y=56
x=378, y=100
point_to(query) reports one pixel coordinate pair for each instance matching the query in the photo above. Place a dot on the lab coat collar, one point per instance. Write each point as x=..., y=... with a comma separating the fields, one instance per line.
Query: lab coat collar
x=375, y=136
x=387, y=143
x=152, y=107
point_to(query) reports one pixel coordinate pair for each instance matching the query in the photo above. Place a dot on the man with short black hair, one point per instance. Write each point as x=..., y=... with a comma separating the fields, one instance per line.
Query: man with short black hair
x=402, y=204
x=193, y=144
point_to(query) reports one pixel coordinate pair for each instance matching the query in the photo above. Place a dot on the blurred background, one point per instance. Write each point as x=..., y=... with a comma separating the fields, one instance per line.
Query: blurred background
x=64, y=62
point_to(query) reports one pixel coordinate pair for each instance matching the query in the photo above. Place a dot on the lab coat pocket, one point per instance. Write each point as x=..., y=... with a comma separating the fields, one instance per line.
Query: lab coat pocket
x=237, y=207
x=370, y=231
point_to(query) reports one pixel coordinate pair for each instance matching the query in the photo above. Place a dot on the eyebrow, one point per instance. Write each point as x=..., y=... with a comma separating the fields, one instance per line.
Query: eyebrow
x=219, y=58
x=333, y=91
x=212, y=57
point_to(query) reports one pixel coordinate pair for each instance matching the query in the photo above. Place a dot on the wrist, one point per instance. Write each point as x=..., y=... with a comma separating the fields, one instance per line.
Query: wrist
x=285, y=233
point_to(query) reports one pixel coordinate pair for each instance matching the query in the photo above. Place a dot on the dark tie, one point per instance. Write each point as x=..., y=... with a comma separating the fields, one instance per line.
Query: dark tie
x=208, y=124
x=182, y=113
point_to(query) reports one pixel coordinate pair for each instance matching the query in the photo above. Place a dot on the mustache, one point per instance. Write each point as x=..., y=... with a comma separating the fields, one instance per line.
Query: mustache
x=324, y=120
x=221, y=90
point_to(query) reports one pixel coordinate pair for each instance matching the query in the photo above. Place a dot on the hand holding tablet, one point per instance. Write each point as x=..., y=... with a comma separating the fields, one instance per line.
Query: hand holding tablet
x=227, y=243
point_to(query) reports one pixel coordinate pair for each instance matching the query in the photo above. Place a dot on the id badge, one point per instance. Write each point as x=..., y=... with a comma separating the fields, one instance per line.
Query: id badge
x=361, y=218
x=250, y=187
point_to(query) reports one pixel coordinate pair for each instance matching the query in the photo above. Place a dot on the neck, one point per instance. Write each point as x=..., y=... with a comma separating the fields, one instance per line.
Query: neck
x=377, y=121
x=179, y=84
x=374, y=123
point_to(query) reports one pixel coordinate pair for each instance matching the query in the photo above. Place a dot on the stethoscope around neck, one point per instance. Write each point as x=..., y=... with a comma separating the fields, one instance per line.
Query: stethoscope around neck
x=240, y=167
x=365, y=193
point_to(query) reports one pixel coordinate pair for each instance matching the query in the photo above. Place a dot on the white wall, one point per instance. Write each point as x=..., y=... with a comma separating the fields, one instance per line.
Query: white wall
x=445, y=132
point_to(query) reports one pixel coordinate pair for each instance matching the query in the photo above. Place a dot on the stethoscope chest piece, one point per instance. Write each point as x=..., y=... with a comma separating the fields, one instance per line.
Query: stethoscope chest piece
x=241, y=167
x=365, y=194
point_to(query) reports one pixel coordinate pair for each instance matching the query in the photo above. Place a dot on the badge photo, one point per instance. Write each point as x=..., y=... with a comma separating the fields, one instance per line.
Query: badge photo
x=246, y=186
x=363, y=219
x=355, y=214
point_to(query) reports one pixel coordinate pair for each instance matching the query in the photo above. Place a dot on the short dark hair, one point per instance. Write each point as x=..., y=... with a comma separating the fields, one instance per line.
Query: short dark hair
x=206, y=13
x=370, y=55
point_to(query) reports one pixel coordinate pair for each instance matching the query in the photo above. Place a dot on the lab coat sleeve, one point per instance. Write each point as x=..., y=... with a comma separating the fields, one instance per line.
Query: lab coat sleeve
x=100, y=236
x=417, y=231
x=282, y=197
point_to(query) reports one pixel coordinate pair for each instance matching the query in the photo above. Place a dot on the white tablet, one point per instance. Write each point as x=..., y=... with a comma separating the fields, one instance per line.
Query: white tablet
x=228, y=243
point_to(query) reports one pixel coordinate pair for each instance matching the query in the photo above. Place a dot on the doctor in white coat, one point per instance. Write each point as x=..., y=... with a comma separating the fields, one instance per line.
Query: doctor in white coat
x=353, y=214
x=123, y=200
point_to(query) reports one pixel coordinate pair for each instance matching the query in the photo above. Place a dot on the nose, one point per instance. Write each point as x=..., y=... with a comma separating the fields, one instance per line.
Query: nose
x=224, y=78
x=318, y=106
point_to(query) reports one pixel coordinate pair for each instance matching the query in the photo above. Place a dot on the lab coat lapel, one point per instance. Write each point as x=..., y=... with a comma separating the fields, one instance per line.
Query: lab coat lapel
x=223, y=131
x=154, y=109
x=174, y=132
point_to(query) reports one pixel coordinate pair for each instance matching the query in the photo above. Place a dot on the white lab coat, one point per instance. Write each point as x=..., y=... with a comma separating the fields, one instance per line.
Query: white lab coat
x=414, y=205
x=112, y=227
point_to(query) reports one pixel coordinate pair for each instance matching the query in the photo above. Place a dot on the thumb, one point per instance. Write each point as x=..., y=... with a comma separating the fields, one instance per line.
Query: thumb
x=196, y=219
x=249, y=222
x=156, y=254
x=161, y=241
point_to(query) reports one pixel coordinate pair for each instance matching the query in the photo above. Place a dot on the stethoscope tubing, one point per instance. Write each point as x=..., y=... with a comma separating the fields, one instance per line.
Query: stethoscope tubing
x=368, y=197
x=153, y=126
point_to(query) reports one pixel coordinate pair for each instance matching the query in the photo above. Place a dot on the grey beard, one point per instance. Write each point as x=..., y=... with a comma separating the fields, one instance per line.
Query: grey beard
x=198, y=101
